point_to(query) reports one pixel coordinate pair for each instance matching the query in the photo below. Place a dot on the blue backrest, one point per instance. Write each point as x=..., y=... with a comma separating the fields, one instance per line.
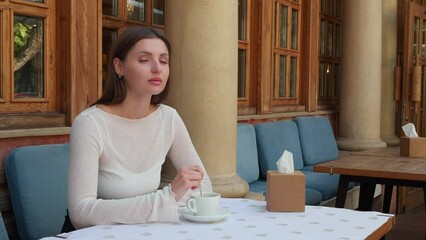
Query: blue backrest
x=247, y=161
x=272, y=139
x=3, y=232
x=317, y=140
x=37, y=180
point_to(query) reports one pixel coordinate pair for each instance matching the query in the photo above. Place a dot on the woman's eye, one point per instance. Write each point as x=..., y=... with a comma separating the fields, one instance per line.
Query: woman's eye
x=164, y=62
x=143, y=60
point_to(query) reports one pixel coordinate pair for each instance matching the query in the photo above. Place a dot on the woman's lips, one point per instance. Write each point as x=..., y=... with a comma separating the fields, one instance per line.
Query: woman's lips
x=155, y=81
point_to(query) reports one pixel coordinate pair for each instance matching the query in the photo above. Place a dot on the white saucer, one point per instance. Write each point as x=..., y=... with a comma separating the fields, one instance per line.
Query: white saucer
x=222, y=214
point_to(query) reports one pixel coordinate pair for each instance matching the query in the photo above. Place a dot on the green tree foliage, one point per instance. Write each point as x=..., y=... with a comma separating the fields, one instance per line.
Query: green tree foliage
x=22, y=33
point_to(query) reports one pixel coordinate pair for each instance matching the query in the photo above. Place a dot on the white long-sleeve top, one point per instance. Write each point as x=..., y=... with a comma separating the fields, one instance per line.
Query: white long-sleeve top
x=115, y=167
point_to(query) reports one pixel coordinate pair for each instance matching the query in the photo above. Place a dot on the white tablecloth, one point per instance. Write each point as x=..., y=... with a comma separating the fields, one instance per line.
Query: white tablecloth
x=250, y=220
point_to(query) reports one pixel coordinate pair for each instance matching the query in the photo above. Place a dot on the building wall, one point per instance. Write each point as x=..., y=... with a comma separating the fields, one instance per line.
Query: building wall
x=78, y=73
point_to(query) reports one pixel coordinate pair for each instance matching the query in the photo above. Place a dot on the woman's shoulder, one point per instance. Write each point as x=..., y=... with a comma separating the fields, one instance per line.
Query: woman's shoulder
x=86, y=117
x=88, y=111
x=167, y=110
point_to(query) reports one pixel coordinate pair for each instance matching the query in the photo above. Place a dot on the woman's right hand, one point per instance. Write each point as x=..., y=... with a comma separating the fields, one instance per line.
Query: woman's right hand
x=186, y=178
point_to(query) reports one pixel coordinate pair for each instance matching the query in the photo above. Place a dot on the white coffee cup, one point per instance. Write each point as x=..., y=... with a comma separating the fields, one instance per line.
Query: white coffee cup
x=207, y=205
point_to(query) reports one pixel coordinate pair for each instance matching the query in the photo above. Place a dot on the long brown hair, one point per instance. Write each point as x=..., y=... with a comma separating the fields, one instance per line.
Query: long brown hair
x=114, y=90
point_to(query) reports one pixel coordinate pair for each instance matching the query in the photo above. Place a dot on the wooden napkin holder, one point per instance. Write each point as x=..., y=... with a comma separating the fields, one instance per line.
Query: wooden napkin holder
x=413, y=147
x=285, y=192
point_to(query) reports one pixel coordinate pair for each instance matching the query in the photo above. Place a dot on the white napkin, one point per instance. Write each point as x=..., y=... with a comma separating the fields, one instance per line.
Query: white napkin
x=410, y=130
x=285, y=163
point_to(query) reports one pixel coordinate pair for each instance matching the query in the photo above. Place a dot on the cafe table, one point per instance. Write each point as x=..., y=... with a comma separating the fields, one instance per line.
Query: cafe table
x=249, y=219
x=376, y=166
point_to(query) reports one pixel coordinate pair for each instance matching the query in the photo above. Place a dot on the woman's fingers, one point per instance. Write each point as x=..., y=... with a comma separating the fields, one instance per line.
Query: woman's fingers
x=192, y=173
x=187, y=178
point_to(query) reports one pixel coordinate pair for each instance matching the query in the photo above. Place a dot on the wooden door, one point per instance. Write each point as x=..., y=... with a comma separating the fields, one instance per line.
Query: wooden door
x=410, y=87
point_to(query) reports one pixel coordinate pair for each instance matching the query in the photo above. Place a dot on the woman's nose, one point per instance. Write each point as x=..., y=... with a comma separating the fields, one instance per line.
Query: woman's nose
x=156, y=67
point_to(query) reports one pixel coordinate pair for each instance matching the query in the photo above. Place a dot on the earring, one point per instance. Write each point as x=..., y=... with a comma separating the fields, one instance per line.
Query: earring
x=120, y=76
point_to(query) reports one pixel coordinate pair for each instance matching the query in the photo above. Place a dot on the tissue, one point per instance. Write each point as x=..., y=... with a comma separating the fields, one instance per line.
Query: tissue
x=285, y=163
x=409, y=130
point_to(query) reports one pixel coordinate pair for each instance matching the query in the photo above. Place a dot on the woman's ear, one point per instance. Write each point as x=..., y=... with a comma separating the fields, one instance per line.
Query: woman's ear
x=118, y=67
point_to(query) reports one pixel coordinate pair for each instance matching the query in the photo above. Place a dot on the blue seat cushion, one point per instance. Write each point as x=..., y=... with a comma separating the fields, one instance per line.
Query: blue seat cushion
x=311, y=169
x=324, y=183
x=258, y=186
x=37, y=181
x=317, y=140
x=312, y=197
x=272, y=139
x=3, y=232
x=247, y=161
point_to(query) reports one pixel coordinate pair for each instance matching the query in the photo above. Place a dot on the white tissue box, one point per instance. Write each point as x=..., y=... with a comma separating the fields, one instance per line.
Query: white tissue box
x=413, y=147
x=285, y=192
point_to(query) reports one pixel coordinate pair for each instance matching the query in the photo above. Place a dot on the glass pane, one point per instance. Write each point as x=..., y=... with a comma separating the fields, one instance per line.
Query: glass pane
x=108, y=38
x=1, y=68
x=338, y=8
x=322, y=36
x=330, y=40
x=294, y=28
x=293, y=76
x=242, y=20
x=337, y=81
x=136, y=10
x=323, y=6
x=329, y=80
x=282, y=76
x=242, y=73
x=28, y=55
x=331, y=8
x=338, y=40
x=424, y=39
x=321, y=81
x=110, y=7
x=283, y=26
x=277, y=4
x=158, y=12
x=416, y=35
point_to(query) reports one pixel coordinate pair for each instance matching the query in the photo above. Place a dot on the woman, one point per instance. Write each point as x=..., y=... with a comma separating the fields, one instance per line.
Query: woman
x=120, y=143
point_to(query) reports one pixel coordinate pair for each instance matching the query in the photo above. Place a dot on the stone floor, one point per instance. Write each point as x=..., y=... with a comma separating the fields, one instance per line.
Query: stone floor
x=410, y=226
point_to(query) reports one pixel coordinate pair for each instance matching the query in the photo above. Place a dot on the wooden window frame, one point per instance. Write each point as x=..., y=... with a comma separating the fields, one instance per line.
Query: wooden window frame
x=282, y=104
x=330, y=101
x=248, y=104
x=46, y=11
x=120, y=21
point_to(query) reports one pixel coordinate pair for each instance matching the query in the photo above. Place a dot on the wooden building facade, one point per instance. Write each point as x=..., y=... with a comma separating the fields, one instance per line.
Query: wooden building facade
x=290, y=54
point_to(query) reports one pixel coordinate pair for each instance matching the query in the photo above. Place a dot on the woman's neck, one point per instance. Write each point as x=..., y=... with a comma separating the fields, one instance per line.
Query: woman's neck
x=132, y=107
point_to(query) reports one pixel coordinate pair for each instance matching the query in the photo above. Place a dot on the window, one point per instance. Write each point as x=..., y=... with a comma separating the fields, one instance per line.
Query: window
x=329, y=51
x=246, y=89
x=119, y=14
x=286, y=53
x=285, y=65
x=27, y=37
x=28, y=51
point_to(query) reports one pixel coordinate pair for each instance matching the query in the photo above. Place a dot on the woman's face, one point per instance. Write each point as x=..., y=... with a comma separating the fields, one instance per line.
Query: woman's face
x=145, y=68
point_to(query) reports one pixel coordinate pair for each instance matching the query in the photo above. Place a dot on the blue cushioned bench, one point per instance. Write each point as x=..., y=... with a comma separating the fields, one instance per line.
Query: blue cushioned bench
x=37, y=178
x=310, y=139
x=3, y=233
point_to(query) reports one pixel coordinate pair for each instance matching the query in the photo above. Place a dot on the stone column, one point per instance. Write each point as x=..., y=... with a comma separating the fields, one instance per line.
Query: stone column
x=203, y=82
x=389, y=22
x=361, y=75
